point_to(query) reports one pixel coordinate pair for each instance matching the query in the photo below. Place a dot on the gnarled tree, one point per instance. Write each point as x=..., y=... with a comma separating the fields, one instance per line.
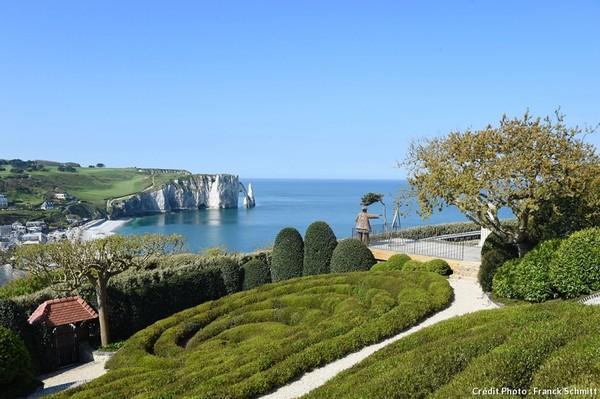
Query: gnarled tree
x=70, y=264
x=520, y=165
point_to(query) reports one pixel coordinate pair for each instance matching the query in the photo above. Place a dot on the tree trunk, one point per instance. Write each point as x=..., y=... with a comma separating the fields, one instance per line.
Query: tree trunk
x=101, y=297
x=523, y=243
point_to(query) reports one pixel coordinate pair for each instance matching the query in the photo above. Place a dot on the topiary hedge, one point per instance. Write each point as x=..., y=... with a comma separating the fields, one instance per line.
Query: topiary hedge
x=552, y=346
x=15, y=365
x=319, y=243
x=438, y=266
x=255, y=273
x=575, y=270
x=351, y=255
x=288, y=254
x=490, y=263
x=397, y=261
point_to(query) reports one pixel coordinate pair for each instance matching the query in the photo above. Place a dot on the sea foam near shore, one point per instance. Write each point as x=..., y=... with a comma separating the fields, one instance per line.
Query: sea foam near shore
x=100, y=229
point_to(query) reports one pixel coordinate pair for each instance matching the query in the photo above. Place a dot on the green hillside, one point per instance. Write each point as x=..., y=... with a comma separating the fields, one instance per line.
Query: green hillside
x=26, y=189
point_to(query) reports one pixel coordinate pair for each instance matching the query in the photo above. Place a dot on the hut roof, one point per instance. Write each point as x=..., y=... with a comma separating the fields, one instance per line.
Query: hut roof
x=63, y=311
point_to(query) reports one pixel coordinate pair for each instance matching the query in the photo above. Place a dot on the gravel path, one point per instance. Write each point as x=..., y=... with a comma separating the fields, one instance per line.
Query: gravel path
x=468, y=297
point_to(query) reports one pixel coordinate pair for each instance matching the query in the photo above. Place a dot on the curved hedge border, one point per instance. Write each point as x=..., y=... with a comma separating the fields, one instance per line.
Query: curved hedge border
x=251, y=342
x=552, y=345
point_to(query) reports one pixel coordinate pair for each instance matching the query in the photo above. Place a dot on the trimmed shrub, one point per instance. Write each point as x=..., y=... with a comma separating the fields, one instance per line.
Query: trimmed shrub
x=533, y=273
x=351, y=255
x=381, y=267
x=413, y=265
x=505, y=280
x=575, y=270
x=319, y=243
x=397, y=261
x=494, y=242
x=288, y=253
x=232, y=277
x=255, y=273
x=439, y=266
x=15, y=365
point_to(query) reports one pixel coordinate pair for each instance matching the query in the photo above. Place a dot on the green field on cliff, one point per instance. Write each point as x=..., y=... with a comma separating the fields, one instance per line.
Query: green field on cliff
x=90, y=187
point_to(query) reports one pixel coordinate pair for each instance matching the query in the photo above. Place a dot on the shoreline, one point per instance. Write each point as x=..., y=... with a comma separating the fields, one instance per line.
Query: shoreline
x=96, y=229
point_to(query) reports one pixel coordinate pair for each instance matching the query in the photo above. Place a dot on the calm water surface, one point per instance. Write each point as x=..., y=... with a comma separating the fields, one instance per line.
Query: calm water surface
x=280, y=203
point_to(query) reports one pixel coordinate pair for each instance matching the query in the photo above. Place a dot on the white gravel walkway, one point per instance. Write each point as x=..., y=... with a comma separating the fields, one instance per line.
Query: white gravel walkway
x=468, y=297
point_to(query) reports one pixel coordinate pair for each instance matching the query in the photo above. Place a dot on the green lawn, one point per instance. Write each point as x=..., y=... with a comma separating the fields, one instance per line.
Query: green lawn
x=531, y=348
x=246, y=344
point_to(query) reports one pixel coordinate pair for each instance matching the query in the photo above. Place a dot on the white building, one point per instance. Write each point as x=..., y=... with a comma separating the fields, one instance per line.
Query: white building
x=3, y=201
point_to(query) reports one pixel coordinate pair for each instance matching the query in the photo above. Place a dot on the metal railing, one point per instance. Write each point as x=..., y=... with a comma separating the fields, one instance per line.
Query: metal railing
x=430, y=240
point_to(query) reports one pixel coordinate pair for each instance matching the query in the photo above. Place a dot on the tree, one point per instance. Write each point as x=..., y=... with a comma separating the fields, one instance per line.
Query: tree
x=371, y=198
x=520, y=165
x=100, y=165
x=70, y=263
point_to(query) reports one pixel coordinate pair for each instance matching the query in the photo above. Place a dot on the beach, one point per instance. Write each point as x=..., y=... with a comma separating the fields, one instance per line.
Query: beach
x=95, y=229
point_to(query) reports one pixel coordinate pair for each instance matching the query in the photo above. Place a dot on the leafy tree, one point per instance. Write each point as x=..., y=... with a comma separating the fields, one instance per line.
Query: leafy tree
x=100, y=165
x=319, y=243
x=521, y=164
x=370, y=199
x=71, y=263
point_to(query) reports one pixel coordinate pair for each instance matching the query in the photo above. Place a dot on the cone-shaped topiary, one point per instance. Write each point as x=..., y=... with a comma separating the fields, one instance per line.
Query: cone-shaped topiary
x=255, y=273
x=351, y=255
x=319, y=243
x=288, y=254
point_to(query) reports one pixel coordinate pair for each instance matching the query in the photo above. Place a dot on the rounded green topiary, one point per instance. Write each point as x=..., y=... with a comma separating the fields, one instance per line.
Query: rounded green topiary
x=15, y=363
x=413, y=265
x=397, y=261
x=439, y=266
x=351, y=255
x=255, y=273
x=532, y=273
x=575, y=269
x=287, y=260
x=319, y=243
x=381, y=267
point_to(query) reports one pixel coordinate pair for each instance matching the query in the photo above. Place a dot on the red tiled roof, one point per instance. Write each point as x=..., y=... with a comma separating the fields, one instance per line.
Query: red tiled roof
x=62, y=311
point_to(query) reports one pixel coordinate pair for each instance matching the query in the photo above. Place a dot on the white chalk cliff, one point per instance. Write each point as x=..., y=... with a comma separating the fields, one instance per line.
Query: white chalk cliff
x=187, y=193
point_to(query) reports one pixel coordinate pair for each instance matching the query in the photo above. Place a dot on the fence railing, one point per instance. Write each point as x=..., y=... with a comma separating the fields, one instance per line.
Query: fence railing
x=438, y=241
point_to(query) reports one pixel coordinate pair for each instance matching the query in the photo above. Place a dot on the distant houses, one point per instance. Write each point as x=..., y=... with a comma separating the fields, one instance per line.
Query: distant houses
x=3, y=201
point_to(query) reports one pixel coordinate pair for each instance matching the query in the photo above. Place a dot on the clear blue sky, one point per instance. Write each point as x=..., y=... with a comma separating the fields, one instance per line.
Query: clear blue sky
x=331, y=89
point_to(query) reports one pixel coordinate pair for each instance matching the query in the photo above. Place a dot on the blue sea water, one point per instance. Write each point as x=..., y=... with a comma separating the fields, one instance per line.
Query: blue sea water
x=281, y=203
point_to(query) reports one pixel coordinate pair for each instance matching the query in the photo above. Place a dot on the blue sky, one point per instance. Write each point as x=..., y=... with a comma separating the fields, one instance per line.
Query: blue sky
x=330, y=89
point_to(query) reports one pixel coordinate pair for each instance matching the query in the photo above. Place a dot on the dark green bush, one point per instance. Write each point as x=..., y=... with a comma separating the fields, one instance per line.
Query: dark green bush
x=231, y=273
x=351, y=255
x=575, y=270
x=288, y=253
x=505, y=282
x=15, y=365
x=494, y=242
x=255, y=273
x=319, y=243
x=490, y=262
x=529, y=278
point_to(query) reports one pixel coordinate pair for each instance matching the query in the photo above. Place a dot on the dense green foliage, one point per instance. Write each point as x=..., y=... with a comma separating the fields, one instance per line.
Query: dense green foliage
x=419, y=232
x=255, y=273
x=527, y=278
x=15, y=365
x=494, y=253
x=351, y=255
x=250, y=342
x=319, y=243
x=439, y=266
x=288, y=253
x=522, y=347
x=575, y=270
x=27, y=284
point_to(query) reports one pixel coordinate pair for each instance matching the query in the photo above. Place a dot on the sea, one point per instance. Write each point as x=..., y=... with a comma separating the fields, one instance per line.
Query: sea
x=284, y=203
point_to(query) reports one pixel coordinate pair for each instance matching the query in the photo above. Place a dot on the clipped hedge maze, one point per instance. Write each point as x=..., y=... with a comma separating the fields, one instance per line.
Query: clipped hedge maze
x=530, y=350
x=248, y=343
